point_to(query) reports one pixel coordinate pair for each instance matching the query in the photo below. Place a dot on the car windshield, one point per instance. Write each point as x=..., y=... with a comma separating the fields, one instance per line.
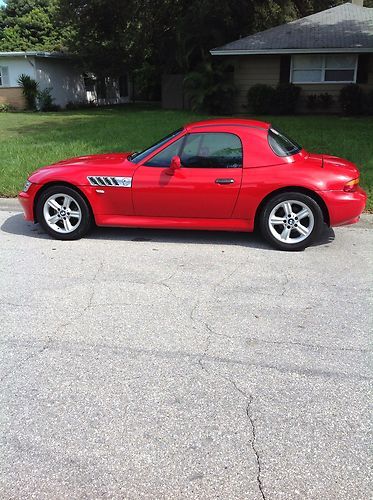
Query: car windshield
x=281, y=144
x=137, y=157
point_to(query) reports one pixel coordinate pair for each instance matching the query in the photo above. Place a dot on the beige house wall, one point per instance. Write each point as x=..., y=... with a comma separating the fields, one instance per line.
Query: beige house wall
x=12, y=96
x=250, y=70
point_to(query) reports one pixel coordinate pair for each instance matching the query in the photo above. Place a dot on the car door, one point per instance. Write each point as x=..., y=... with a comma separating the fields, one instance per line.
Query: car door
x=206, y=186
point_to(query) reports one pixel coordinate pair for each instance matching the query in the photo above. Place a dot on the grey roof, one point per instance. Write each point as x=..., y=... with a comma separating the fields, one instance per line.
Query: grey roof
x=346, y=28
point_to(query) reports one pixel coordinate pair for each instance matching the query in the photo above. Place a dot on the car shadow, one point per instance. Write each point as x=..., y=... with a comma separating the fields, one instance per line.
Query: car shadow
x=15, y=224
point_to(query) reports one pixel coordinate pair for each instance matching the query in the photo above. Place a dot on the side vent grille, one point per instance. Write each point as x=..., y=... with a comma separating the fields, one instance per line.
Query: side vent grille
x=105, y=181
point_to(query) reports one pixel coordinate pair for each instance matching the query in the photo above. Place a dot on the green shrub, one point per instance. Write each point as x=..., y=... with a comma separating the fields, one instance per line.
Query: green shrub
x=326, y=100
x=76, y=105
x=6, y=108
x=351, y=99
x=146, y=83
x=210, y=88
x=46, y=101
x=30, y=90
x=260, y=98
x=285, y=99
x=368, y=102
x=312, y=102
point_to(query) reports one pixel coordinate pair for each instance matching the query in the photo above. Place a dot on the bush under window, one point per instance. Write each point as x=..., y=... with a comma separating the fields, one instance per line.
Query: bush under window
x=260, y=98
x=351, y=100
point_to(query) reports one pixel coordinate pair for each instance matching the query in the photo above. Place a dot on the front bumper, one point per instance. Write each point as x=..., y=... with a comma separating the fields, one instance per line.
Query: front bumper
x=27, y=201
x=344, y=208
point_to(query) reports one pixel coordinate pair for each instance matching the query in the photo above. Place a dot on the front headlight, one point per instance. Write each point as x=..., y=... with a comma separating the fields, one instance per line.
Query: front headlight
x=27, y=186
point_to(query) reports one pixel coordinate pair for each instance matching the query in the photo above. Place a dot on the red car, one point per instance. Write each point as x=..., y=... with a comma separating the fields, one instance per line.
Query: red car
x=226, y=174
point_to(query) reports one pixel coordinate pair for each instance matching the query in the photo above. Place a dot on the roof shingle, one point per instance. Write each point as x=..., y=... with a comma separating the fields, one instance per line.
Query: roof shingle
x=346, y=26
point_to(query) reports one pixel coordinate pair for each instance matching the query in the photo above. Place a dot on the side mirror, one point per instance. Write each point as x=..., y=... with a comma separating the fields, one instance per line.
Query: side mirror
x=174, y=165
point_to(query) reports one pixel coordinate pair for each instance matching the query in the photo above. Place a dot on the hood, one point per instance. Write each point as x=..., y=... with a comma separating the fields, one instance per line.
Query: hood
x=93, y=160
x=76, y=170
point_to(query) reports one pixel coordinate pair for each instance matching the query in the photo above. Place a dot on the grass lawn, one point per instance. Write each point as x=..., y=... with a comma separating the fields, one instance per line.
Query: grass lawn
x=31, y=140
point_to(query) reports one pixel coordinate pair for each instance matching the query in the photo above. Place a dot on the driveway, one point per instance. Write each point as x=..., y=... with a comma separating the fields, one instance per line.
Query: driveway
x=166, y=365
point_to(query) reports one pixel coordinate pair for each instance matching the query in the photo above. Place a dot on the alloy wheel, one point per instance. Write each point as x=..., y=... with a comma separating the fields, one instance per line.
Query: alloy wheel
x=291, y=221
x=62, y=213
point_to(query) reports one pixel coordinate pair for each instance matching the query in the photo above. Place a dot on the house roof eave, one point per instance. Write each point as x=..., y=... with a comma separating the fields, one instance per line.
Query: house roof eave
x=354, y=50
x=31, y=53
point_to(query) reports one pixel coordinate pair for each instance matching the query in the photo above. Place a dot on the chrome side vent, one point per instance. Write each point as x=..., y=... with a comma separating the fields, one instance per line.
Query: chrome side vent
x=103, y=180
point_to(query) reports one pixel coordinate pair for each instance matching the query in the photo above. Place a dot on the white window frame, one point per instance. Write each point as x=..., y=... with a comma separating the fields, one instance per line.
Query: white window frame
x=323, y=70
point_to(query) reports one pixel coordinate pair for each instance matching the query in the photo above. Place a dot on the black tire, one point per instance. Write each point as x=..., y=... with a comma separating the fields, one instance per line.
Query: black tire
x=314, y=227
x=78, y=203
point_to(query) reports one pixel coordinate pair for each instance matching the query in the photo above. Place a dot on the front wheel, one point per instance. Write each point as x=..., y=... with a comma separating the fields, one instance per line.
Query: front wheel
x=63, y=213
x=291, y=221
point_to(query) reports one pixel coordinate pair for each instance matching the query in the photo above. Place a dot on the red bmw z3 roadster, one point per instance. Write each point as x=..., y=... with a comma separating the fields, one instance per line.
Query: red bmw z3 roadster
x=225, y=174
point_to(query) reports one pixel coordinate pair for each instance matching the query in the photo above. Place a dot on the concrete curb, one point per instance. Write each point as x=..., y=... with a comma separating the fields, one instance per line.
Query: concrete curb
x=10, y=205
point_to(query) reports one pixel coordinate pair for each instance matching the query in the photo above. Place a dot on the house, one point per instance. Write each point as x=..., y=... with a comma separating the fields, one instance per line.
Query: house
x=321, y=53
x=62, y=74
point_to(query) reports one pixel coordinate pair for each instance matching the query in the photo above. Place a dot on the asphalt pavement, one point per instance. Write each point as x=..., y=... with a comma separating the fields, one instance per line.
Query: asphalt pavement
x=144, y=364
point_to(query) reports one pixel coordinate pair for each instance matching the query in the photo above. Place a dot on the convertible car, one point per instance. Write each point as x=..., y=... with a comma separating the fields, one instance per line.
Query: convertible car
x=224, y=174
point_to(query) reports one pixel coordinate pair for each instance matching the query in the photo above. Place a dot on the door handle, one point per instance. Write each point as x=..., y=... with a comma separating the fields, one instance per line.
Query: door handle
x=224, y=181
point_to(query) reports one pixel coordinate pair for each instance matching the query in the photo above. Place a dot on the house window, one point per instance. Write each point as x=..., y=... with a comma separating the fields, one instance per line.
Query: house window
x=4, y=76
x=331, y=68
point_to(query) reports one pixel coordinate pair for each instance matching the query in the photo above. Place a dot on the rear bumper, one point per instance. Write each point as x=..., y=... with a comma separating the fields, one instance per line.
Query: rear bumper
x=344, y=208
x=27, y=201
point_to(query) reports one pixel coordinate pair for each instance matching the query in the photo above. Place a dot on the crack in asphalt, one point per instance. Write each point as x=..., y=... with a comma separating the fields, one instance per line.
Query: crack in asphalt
x=249, y=399
x=26, y=360
x=90, y=300
x=254, y=448
x=284, y=285
x=88, y=306
x=60, y=327
x=164, y=283
x=230, y=274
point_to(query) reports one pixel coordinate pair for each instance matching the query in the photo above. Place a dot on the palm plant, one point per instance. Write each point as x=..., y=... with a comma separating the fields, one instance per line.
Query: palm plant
x=30, y=90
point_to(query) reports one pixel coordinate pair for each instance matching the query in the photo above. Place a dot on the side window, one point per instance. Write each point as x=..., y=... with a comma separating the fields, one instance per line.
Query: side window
x=4, y=76
x=212, y=150
x=163, y=158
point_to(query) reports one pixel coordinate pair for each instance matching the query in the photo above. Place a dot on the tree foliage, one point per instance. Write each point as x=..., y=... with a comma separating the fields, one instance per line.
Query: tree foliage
x=30, y=25
x=172, y=35
x=113, y=36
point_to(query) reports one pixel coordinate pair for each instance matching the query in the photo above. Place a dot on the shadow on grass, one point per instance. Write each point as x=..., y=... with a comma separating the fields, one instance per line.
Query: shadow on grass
x=16, y=225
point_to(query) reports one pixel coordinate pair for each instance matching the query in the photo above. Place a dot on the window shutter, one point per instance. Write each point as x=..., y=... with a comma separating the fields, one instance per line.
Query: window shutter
x=5, y=76
x=285, y=69
x=363, y=68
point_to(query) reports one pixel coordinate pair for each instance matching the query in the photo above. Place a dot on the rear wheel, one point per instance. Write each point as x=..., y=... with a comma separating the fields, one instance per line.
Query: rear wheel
x=63, y=213
x=291, y=221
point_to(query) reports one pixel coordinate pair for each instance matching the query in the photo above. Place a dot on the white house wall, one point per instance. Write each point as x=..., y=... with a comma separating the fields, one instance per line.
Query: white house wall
x=63, y=77
x=18, y=66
